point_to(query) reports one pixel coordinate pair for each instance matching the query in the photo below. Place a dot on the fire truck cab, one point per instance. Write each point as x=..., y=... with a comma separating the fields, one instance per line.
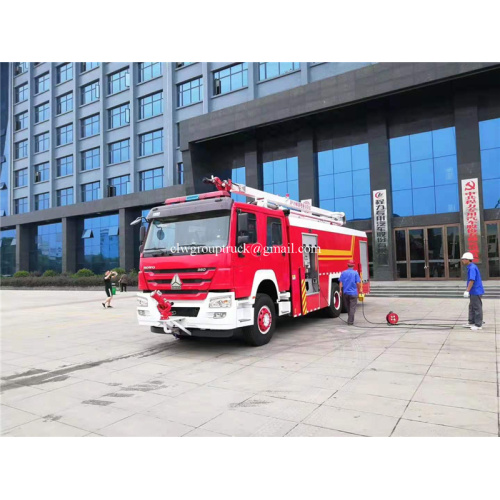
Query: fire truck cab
x=219, y=265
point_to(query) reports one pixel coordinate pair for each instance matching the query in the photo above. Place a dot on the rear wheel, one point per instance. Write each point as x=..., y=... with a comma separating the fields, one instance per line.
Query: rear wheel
x=335, y=307
x=264, y=322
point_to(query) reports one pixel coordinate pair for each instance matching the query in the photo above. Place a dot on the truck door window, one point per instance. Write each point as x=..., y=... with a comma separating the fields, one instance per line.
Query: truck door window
x=274, y=232
x=251, y=232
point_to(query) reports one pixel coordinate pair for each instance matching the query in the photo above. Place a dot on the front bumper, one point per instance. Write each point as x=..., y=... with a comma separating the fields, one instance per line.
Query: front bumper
x=239, y=314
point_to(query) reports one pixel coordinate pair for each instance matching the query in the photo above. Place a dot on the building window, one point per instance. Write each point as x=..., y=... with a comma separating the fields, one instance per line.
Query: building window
x=41, y=201
x=42, y=112
x=21, y=206
x=99, y=248
x=148, y=71
x=21, y=93
x=424, y=173
x=90, y=92
x=90, y=126
x=489, y=138
x=65, y=103
x=119, y=151
x=21, y=178
x=281, y=177
x=64, y=72
x=119, y=116
x=8, y=245
x=46, y=250
x=182, y=64
x=151, y=105
x=231, y=78
x=151, y=179
x=190, y=92
x=87, y=66
x=42, y=83
x=91, y=191
x=91, y=159
x=21, y=121
x=238, y=175
x=20, y=68
x=151, y=143
x=118, y=81
x=118, y=186
x=344, y=181
x=178, y=135
x=42, y=142
x=64, y=197
x=273, y=69
x=64, y=166
x=21, y=149
x=180, y=173
x=64, y=134
x=42, y=172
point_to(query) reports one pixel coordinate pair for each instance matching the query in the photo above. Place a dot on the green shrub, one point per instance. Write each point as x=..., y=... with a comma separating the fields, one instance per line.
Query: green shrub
x=84, y=273
x=119, y=270
x=60, y=282
x=49, y=273
x=21, y=274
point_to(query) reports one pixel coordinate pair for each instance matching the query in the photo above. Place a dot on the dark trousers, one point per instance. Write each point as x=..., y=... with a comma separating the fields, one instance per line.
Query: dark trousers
x=475, y=310
x=351, y=302
x=123, y=287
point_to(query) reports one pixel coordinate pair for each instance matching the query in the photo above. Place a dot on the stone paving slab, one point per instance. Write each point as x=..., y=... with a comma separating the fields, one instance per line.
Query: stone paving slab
x=91, y=372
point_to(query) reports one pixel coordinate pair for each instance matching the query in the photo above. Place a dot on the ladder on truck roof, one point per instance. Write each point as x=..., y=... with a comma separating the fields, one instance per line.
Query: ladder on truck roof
x=264, y=199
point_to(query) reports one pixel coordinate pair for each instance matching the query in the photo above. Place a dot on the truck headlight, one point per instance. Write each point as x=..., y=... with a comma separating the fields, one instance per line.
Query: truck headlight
x=142, y=302
x=220, y=302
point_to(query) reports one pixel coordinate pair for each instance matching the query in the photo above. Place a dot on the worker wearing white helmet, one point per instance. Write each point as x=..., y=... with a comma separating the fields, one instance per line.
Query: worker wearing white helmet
x=474, y=292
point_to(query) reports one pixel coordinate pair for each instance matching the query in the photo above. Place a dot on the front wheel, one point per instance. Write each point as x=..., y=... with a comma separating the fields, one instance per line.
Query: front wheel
x=335, y=307
x=264, y=322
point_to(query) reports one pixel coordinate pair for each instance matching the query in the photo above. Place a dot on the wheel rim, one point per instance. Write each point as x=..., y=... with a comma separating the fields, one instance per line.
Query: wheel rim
x=264, y=320
x=336, y=300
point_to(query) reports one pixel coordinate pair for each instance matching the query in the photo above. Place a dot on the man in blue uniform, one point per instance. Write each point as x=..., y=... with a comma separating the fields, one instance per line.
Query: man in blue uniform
x=474, y=292
x=350, y=287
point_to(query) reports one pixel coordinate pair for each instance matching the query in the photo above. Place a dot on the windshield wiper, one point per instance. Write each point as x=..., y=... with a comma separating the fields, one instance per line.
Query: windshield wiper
x=157, y=252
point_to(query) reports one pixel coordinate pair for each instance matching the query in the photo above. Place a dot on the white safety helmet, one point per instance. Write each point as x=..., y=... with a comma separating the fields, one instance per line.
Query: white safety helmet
x=468, y=256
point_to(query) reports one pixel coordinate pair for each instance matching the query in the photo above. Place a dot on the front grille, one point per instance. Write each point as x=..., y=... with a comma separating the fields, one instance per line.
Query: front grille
x=184, y=281
x=191, y=312
x=179, y=271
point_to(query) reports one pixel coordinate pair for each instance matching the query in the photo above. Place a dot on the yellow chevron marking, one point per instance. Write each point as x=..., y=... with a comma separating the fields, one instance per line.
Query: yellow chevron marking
x=325, y=254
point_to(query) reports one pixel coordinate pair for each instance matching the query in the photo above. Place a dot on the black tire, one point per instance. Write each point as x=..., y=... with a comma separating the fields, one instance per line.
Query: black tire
x=261, y=332
x=336, y=302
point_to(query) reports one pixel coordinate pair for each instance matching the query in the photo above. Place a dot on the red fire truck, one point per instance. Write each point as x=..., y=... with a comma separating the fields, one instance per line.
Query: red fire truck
x=211, y=265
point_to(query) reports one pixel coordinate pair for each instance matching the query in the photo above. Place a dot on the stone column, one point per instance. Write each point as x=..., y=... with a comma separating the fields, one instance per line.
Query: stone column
x=307, y=170
x=380, y=178
x=69, y=245
x=23, y=237
x=469, y=161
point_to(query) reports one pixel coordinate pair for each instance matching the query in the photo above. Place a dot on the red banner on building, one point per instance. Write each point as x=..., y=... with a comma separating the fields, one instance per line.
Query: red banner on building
x=472, y=219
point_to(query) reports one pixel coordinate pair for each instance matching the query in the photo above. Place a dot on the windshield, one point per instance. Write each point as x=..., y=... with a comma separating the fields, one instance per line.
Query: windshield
x=201, y=233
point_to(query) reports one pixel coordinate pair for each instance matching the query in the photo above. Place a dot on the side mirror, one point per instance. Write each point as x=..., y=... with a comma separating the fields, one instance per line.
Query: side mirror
x=142, y=233
x=241, y=240
x=243, y=222
x=136, y=221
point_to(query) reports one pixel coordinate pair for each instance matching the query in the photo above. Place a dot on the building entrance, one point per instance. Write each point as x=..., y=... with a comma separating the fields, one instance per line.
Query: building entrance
x=428, y=253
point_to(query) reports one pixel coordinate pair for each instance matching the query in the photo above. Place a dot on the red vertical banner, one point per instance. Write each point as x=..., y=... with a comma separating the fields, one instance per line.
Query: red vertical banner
x=472, y=217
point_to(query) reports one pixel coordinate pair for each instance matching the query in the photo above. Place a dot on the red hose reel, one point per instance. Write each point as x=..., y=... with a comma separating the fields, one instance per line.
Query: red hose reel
x=392, y=318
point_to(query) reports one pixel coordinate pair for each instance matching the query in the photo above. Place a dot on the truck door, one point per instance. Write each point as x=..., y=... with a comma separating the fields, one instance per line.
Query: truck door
x=247, y=259
x=310, y=275
x=275, y=255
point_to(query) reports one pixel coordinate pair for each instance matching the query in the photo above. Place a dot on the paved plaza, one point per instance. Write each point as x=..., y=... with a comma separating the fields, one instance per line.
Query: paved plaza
x=71, y=368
